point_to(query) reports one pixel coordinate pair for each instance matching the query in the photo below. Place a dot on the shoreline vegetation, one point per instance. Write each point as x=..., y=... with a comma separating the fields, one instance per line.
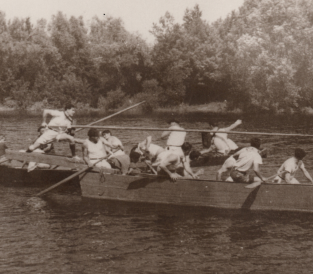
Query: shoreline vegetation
x=216, y=108
x=258, y=60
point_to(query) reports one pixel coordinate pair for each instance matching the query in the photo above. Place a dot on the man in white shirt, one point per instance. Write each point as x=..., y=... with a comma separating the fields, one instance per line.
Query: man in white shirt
x=220, y=142
x=289, y=167
x=59, y=124
x=248, y=157
x=175, y=138
x=230, y=163
x=94, y=150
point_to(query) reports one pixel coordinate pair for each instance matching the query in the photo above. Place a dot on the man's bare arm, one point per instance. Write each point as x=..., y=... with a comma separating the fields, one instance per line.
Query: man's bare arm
x=85, y=154
x=306, y=173
x=165, y=134
x=234, y=125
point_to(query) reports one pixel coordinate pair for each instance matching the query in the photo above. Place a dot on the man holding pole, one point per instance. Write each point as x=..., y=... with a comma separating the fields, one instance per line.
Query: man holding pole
x=59, y=124
x=94, y=150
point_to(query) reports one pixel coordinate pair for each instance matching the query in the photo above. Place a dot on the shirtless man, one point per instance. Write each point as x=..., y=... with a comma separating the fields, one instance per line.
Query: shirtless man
x=220, y=143
x=175, y=138
x=94, y=149
x=176, y=166
x=113, y=143
x=289, y=168
x=248, y=157
x=61, y=119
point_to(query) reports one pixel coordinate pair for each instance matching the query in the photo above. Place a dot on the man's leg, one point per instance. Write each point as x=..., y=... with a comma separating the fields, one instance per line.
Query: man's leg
x=70, y=139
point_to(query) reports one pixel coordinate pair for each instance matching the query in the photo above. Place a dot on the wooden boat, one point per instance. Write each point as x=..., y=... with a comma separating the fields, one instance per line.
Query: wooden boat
x=108, y=185
x=17, y=176
x=203, y=193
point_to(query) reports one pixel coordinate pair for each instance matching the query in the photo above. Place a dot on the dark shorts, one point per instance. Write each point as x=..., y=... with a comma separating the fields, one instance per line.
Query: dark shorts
x=241, y=177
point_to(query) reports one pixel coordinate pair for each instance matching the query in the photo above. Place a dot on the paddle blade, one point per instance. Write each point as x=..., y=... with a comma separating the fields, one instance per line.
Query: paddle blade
x=254, y=185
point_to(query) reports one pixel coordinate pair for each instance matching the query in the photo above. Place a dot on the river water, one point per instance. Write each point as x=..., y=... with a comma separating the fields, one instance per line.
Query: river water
x=66, y=233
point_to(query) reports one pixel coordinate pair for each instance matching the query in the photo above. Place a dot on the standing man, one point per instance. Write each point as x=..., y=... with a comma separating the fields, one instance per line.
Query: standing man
x=248, y=157
x=94, y=149
x=289, y=167
x=175, y=138
x=59, y=124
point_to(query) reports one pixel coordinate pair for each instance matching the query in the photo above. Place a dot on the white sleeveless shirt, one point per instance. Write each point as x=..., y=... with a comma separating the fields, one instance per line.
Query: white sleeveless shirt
x=96, y=151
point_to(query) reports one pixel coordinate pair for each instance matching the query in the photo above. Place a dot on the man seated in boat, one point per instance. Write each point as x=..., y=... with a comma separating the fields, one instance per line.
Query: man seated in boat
x=174, y=165
x=94, y=150
x=289, y=168
x=220, y=143
x=118, y=158
x=229, y=164
x=248, y=158
x=113, y=143
x=60, y=122
x=175, y=138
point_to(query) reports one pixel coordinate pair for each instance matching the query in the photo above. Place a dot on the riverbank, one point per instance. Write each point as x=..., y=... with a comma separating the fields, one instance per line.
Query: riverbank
x=217, y=108
x=83, y=110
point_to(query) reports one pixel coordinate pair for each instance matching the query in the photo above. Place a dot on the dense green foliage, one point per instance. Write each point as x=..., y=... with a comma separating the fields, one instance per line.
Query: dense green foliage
x=259, y=57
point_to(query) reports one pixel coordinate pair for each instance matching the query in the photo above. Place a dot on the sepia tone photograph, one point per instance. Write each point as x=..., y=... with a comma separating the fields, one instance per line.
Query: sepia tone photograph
x=143, y=136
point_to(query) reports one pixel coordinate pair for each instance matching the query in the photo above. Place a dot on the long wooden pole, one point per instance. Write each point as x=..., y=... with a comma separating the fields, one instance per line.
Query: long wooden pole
x=67, y=179
x=108, y=117
x=197, y=130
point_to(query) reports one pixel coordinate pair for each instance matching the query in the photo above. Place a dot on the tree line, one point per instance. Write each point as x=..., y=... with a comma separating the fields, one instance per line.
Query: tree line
x=257, y=58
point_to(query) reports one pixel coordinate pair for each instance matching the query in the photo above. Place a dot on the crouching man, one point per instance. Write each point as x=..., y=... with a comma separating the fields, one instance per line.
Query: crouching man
x=248, y=158
x=288, y=169
x=175, y=165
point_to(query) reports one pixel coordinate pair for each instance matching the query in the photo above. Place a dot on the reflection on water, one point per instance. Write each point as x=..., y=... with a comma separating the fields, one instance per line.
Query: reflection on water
x=65, y=233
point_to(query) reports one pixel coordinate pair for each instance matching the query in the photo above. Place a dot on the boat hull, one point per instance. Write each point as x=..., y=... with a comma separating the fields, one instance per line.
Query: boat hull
x=203, y=193
x=14, y=176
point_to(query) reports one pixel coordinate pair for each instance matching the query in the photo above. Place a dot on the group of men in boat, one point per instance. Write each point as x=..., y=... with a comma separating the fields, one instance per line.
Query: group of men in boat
x=101, y=149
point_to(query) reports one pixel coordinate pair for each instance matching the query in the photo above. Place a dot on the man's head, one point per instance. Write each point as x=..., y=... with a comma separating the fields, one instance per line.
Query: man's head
x=41, y=130
x=255, y=142
x=214, y=124
x=134, y=155
x=2, y=138
x=194, y=155
x=173, y=122
x=106, y=134
x=186, y=147
x=299, y=153
x=93, y=135
x=70, y=109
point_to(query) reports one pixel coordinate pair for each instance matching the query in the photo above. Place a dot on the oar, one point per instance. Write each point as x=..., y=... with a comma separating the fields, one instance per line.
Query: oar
x=68, y=178
x=110, y=116
x=152, y=169
x=255, y=184
x=196, y=130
